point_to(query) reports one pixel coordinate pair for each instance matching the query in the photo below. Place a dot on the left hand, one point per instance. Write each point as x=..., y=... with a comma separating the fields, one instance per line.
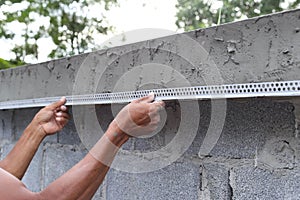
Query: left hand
x=140, y=117
x=53, y=117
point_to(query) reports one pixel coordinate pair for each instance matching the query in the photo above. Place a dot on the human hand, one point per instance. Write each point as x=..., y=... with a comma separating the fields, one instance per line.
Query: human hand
x=140, y=117
x=53, y=117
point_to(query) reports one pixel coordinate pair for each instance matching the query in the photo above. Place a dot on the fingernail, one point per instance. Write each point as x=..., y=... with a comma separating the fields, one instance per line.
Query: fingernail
x=153, y=96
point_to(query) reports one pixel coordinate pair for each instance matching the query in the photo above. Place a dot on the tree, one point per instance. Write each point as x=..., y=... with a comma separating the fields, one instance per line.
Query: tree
x=193, y=14
x=4, y=64
x=69, y=24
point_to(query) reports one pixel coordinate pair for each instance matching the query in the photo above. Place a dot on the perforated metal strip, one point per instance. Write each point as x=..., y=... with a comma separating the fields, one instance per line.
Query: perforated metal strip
x=265, y=89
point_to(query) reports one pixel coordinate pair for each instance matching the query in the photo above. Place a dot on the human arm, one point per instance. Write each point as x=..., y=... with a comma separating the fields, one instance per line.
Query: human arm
x=47, y=121
x=82, y=181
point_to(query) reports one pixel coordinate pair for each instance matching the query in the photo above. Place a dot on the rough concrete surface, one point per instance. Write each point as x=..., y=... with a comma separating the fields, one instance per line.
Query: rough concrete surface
x=254, y=50
x=215, y=182
x=177, y=181
x=255, y=156
x=264, y=184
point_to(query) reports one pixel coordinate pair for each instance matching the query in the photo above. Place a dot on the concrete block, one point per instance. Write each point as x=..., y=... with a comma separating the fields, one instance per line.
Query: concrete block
x=21, y=119
x=149, y=144
x=99, y=194
x=6, y=149
x=6, y=125
x=32, y=177
x=248, y=182
x=176, y=181
x=280, y=153
x=204, y=122
x=58, y=159
x=105, y=115
x=129, y=145
x=215, y=182
x=248, y=125
x=69, y=135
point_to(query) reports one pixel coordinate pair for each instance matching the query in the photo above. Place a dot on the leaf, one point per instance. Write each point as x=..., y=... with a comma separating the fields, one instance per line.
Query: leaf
x=70, y=31
x=193, y=14
x=4, y=64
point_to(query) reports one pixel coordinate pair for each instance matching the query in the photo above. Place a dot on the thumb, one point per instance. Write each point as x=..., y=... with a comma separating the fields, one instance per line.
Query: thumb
x=146, y=99
x=57, y=104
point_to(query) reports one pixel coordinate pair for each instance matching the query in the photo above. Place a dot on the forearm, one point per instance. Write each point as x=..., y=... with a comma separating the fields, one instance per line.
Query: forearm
x=19, y=158
x=117, y=141
x=82, y=181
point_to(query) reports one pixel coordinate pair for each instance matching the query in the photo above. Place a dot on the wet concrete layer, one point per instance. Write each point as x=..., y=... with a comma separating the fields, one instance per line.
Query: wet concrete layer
x=255, y=50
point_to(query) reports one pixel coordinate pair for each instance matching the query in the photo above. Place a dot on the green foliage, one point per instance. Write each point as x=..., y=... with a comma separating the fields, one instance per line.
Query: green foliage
x=68, y=23
x=193, y=14
x=4, y=64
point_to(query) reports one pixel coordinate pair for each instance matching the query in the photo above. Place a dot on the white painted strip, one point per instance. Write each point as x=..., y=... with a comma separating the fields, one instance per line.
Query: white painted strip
x=245, y=90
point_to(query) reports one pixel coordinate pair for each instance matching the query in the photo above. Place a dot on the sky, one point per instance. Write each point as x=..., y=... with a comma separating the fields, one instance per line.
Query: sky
x=129, y=16
x=136, y=14
x=140, y=20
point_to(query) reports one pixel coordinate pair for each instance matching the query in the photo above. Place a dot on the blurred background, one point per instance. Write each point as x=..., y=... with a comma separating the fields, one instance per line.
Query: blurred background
x=33, y=31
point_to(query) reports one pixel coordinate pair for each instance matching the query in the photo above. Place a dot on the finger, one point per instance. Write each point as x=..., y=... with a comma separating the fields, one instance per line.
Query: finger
x=146, y=99
x=62, y=114
x=61, y=120
x=157, y=106
x=159, y=103
x=57, y=104
x=155, y=120
x=153, y=113
x=63, y=108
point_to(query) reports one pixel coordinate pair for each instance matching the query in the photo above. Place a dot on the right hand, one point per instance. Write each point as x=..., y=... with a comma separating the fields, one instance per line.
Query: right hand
x=53, y=117
x=140, y=117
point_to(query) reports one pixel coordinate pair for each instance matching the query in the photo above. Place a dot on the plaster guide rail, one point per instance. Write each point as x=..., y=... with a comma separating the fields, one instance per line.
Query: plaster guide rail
x=245, y=90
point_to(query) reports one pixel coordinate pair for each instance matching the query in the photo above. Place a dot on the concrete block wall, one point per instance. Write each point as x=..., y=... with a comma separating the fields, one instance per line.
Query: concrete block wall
x=257, y=155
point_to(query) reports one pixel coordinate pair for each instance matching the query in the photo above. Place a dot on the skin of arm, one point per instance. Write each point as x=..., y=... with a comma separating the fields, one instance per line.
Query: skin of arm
x=47, y=121
x=82, y=181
